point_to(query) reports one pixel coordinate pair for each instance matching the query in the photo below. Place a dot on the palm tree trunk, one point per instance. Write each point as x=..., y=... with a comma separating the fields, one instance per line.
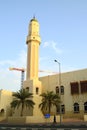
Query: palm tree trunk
x=22, y=109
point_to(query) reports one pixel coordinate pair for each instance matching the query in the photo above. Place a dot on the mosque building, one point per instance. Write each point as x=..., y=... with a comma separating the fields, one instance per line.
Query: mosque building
x=72, y=88
x=73, y=92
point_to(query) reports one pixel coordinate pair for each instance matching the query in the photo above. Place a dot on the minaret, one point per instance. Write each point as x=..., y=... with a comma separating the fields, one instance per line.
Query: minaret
x=32, y=82
x=33, y=42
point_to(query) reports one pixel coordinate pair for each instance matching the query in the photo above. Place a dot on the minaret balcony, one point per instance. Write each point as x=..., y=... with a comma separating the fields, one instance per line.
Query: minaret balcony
x=33, y=38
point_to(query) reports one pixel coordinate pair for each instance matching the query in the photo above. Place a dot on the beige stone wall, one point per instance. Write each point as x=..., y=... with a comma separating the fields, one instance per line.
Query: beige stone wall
x=5, y=100
x=30, y=119
x=50, y=82
x=85, y=117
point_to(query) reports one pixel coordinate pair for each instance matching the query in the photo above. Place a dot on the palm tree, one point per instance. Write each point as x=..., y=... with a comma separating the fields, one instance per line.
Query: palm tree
x=49, y=99
x=22, y=98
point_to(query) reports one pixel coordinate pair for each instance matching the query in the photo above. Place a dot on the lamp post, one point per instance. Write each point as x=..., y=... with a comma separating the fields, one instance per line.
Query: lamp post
x=59, y=85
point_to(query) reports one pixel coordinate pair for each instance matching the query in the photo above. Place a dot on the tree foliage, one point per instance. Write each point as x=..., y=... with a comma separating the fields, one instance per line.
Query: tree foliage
x=22, y=99
x=49, y=99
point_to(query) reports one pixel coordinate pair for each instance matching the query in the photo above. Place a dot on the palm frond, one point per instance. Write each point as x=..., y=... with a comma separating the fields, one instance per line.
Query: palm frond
x=48, y=100
x=22, y=98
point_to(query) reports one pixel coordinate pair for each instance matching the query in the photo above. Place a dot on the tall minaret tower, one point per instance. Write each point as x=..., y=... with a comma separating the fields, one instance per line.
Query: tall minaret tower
x=33, y=42
x=32, y=82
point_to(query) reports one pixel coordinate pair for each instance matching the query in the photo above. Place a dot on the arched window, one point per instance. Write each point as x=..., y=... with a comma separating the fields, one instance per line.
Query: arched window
x=57, y=90
x=85, y=107
x=2, y=110
x=62, y=109
x=62, y=89
x=27, y=88
x=76, y=107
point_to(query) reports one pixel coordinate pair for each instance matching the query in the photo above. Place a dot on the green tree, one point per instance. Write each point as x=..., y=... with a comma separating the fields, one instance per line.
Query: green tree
x=21, y=99
x=49, y=99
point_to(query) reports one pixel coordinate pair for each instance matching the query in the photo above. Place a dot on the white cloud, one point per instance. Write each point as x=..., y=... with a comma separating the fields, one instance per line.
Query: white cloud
x=46, y=44
x=11, y=80
x=53, y=45
x=19, y=62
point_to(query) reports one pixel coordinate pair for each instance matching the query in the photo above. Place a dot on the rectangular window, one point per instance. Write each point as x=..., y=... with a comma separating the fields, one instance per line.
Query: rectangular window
x=74, y=88
x=37, y=90
x=83, y=85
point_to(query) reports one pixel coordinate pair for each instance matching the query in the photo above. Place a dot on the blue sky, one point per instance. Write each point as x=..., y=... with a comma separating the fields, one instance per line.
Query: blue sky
x=63, y=30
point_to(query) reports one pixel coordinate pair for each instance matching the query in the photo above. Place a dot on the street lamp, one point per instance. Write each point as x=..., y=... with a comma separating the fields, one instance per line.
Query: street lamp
x=59, y=85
